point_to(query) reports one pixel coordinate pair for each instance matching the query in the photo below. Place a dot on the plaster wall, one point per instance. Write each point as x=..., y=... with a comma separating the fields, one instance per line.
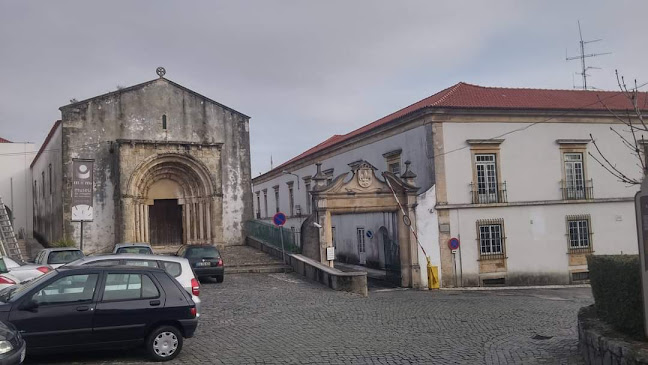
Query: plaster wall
x=16, y=182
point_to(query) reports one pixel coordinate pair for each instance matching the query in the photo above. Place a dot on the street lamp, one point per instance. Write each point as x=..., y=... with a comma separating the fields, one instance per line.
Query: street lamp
x=290, y=173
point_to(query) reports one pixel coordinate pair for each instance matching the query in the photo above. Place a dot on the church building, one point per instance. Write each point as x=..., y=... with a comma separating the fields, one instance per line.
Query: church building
x=154, y=162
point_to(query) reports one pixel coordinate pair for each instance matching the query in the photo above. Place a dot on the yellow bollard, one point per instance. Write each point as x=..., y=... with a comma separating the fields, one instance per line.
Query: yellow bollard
x=433, y=275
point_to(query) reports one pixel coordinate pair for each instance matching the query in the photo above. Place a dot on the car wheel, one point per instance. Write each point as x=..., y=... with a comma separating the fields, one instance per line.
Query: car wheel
x=164, y=343
x=219, y=278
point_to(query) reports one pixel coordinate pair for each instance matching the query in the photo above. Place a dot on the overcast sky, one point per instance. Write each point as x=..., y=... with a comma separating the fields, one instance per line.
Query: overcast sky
x=303, y=70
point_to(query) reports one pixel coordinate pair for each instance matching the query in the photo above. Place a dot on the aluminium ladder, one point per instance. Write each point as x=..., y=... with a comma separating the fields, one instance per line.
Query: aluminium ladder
x=8, y=243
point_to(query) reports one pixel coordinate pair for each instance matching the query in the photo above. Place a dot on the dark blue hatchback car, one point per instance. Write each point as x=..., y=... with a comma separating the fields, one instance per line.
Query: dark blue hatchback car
x=81, y=308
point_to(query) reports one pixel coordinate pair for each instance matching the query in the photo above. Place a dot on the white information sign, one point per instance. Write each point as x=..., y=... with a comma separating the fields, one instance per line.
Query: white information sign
x=330, y=253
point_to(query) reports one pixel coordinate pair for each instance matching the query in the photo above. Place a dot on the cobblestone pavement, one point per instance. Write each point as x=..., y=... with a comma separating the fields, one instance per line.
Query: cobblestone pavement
x=284, y=319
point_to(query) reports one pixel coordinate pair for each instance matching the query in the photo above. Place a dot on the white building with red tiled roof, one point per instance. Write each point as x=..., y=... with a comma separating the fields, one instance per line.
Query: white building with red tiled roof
x=506, y=171
x=15, y=176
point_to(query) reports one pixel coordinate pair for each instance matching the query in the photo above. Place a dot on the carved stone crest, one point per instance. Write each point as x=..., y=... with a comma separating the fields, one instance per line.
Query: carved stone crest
x=364, y=176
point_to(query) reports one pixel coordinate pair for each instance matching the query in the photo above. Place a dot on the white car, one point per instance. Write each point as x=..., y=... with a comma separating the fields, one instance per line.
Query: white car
x=137, y=248
x=56, y=257
x=12, y=272
x=178, y=267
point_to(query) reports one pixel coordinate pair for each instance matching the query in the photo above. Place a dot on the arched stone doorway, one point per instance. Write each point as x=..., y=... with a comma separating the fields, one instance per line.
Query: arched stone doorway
x=173, y=198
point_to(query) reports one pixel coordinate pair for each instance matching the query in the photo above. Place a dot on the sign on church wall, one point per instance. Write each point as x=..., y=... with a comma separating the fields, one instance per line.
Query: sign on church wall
x=82, y=190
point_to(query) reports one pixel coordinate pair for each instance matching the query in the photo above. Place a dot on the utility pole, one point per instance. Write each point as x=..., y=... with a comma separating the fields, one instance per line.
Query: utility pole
x=582, y=56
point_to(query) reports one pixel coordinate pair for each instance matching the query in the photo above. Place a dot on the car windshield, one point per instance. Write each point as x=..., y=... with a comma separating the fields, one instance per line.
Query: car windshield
x=14, y=291
x=202, y=252
x=140, y=250
x=3, y=266
x=63, y=257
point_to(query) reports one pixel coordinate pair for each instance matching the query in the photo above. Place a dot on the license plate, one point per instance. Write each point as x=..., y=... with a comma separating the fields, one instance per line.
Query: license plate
x=22, y=354
x=203, y=264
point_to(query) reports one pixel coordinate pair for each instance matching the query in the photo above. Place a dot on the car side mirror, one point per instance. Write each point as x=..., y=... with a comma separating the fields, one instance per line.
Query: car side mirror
x=30, y=305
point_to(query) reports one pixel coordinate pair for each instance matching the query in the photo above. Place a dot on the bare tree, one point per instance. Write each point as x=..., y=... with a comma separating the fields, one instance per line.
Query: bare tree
x=634, y=122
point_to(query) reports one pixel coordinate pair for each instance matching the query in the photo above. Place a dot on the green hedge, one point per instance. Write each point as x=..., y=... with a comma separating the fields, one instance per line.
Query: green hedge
x=616, y=286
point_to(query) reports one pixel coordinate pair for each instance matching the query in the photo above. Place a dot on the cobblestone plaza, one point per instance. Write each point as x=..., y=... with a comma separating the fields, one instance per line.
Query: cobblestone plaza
x=284, y=319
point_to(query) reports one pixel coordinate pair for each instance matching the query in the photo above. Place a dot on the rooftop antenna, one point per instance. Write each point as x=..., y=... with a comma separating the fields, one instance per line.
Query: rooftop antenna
x=583, y=56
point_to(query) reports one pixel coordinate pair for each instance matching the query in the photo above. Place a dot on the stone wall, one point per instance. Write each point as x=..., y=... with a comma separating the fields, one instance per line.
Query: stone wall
x=600, y=344
x=90, y=129
x=354, y=282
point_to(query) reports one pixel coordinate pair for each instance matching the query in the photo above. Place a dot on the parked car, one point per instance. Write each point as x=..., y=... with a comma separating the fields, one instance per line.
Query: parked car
x=56, y=257
x=141, y=248
x=90, y=307
x=205, y=260
x=21, y=271
x=12, y=345
x=177, y=267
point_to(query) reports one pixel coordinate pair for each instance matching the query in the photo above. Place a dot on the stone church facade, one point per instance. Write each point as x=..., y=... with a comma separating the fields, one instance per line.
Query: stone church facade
x=171, y=167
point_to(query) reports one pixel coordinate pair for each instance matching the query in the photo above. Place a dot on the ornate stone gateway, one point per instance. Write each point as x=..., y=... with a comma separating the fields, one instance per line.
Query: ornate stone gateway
x=170, y=193
x=366, y=193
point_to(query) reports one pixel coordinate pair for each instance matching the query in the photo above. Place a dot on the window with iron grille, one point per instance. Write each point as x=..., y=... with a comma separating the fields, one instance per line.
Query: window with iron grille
x=574, y=176
x=487, y=187
x=579, y=233
x=265, y=202
x=276, y=191
x=393, y=161
x=491, y=238
x=291, y=200
x=258, y=211
x=394, y=168
x=361, y=239
x=308, y=198
x=329, y=176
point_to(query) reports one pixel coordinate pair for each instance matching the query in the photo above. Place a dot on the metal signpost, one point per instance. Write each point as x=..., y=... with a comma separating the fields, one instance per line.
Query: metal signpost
x=82, y=193
x=279, y=220
x=453, y=244
x=641, y=206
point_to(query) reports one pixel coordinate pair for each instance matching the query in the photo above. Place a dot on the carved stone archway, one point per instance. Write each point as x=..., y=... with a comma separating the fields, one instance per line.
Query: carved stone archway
x=189, y=174
x=364, y=192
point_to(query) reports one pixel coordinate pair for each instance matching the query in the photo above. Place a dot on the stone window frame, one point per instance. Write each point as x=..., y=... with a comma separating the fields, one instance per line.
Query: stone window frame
x=491, y=222
x=579, y=218
x=391, y=159
x=329, y=175
x=643, y=151
x=265, y=202
x=291, y=198
x=164, y=122
x=487, y=147
x=361, y=242
x=276, y=192
x=574, y=146
x=258, y=199
x=43, y=183
x=307, y=188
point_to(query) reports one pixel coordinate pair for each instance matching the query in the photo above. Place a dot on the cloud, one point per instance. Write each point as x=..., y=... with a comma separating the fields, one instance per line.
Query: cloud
x=303, y=70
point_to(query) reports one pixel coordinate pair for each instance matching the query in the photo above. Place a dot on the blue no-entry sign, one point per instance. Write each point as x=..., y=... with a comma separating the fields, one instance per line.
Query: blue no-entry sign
x=453, y=243
x=279, y=219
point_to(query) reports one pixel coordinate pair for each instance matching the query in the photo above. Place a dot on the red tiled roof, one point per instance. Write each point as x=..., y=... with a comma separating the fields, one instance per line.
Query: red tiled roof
x=329, y=142
x=468, y=96
x=2, y=140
